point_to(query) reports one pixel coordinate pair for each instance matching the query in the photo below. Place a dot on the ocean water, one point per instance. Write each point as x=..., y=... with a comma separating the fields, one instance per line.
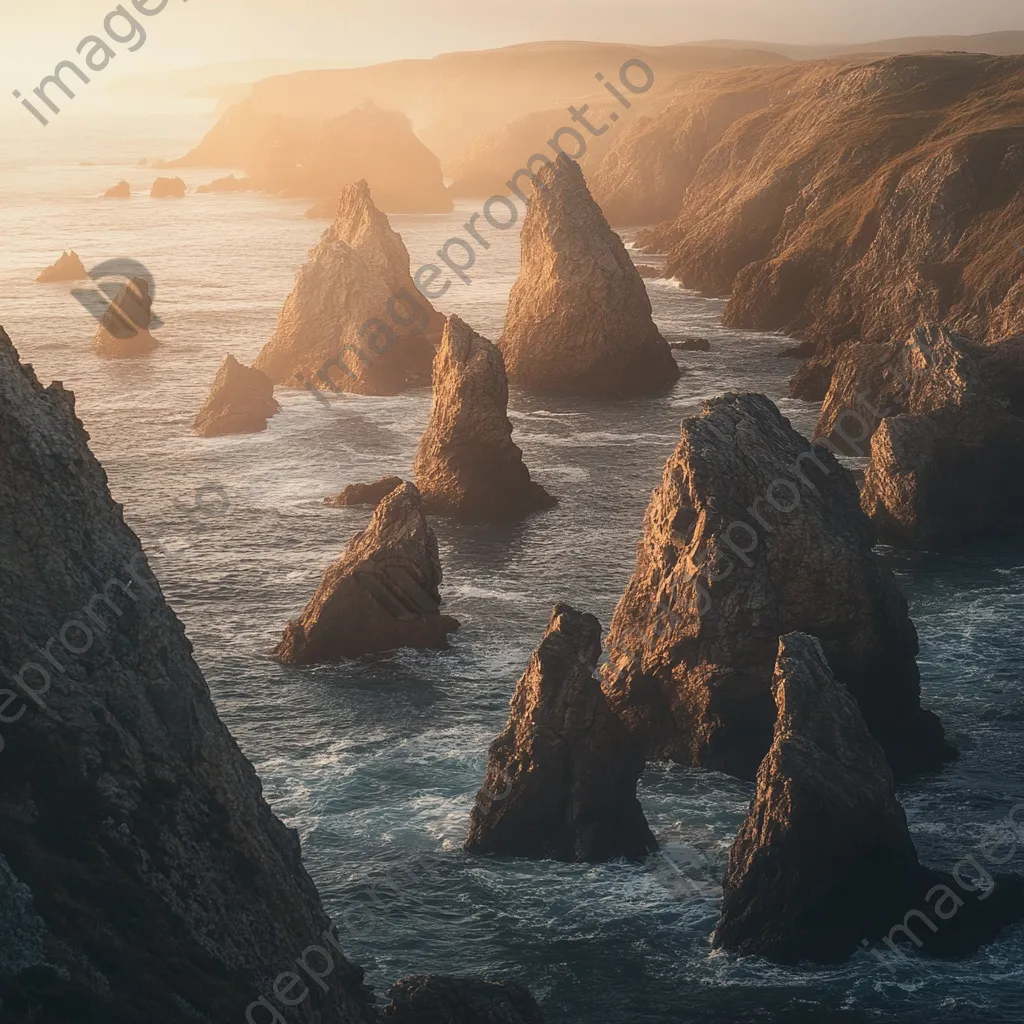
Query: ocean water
x=377, y=763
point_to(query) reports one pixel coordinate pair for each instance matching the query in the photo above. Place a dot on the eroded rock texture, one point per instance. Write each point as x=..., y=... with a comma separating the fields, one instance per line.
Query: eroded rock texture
x=561, y=779
x=68, y=267
x=437, y=999
x=824, y=860
x=752, y=534
x=354, y=320
x=143, y=876
x=365, y=494
x=124, y=330
x=467, y=464
x=579, y=318
x=240, y=402
x=382, y=594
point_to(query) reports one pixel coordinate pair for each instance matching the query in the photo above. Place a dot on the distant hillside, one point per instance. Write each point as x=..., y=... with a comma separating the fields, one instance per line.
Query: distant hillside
x=997, y=43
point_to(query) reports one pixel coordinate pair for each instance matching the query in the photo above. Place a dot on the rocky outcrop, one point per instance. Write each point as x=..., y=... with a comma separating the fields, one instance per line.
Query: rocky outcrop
x=579, y=319
x=122, y=190
x=438, y=999
x=240, y=402
x=168, y=188
x=382, y=594
x=918, y=227
x=354, y=320
x=752, y=534
x=824, y=862
x=690, y=345
x=467, y=464
x=365, y=494
x=68, y=268
x=124, y=330
x=148, y=878
x=561, y=779
x=227, y=186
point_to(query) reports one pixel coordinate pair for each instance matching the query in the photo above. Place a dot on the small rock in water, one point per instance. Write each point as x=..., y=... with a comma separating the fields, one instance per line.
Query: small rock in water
x=67, y=268
x=168, y=188
x=437, y=999
x=124, y=331
x=240, y=402
x=365, y=494
x=122, y=190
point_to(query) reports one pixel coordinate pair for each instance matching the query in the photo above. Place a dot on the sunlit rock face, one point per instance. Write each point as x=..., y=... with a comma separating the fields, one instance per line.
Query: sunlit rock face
x=123, y=332
x=824, y=862
x=240, y=402
x=383, y=593
x=68, y=267
x=467, y=464
x=753, y=534
x=579, y=318
x=562, y=777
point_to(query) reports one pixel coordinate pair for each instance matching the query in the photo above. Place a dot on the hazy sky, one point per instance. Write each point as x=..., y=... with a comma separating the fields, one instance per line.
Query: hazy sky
x=38, y=33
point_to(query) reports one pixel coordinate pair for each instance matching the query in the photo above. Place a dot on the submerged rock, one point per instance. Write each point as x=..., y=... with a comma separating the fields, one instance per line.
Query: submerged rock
x=691, y=345
x=168, y=188
x=122, y=190
x=561, y=779
x=752, y=534
x=382, y=594
x=365, y=494
x=354, y=320
x=240, y=402
x=67, y=268
x=579, y=318
x=149, y=878
x=467, y=464
x=824, y=862
x=124, y=330
x=437, y=999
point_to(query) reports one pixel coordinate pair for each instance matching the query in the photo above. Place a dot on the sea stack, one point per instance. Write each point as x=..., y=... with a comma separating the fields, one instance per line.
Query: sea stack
x=354, y=320
x=824, y=862
x=561, y=779
x=240, y=402
x=579, y=319
x=122, y=190
x=467, y=465
x=755, y=533
x=168, y=188
x=146, y=877
x=382, y=594
x=67, y=268
x=124, y=330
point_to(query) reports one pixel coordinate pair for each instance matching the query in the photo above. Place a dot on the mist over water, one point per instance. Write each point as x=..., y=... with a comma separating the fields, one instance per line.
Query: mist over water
x=377, y=763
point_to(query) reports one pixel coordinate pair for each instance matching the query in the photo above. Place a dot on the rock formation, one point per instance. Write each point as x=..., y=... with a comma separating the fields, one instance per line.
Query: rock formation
x=691, y=345
x=824, y=862
x=365, y=494
x=579, y=319
x=755, y=533
x=227, y=186
x=122, y=190
x=382, y=594
x=240, y=402
x=124, y=330
x=467, y=464
x=442, y=1000
x=354, y=320
x=561, y=779
x=149, y=879
x=68, y=268
x=168, y=188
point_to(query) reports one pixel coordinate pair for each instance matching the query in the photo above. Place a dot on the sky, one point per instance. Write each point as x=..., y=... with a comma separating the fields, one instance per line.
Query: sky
x=36, y=34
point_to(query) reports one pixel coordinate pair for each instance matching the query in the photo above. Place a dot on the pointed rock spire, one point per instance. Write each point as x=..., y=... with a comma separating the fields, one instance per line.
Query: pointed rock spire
x=579, y=318
x=240, y=402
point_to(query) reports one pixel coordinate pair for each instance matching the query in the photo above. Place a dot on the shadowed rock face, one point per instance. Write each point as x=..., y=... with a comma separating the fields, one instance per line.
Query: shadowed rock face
x=382, y=594
x=561, y=779
x=240, y=402
x=365, y=494
x=754, y=534
x=67, y=268
x=824, y=859
x=354, y=315
x=579, y=319
x=149, y=879
x=442, y=1000
x=467, y=464
x=124, y=331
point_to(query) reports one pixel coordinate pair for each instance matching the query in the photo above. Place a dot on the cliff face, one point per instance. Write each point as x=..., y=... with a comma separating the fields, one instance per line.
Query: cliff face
x=317, y=158
x=561, y=778
x=579, y=319
x=240, y=402
x=382, y=594
x=354, y=316
x=467, y=464
x=150, y=880
x=824, y=861
x=754, y=534
x=863, y=200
